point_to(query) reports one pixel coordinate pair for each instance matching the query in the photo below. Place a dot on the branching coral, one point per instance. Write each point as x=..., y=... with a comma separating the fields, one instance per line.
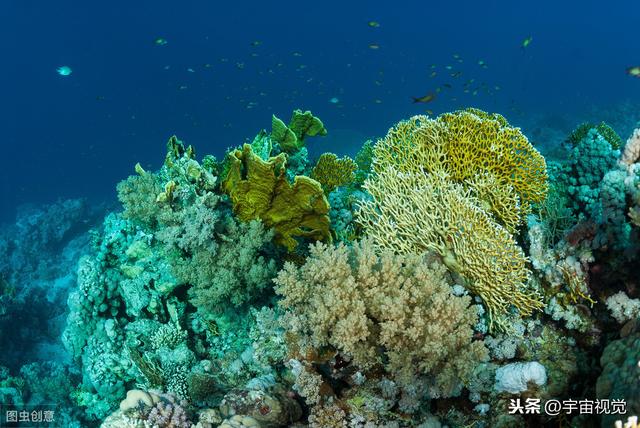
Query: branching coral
x=413, y=213
x=467, y=144
x=260, y=189
x=360, y=303
x=478, y=141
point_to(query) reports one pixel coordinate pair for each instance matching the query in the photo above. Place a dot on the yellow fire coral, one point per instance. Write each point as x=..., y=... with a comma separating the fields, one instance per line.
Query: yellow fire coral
x=332, y=172
x=479, y=141
x=479, y=150
x=260, y=189
x=389, y=310
x=416, y=212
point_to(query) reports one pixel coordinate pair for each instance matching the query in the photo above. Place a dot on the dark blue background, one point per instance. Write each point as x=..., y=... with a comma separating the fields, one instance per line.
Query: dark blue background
x=79, y=135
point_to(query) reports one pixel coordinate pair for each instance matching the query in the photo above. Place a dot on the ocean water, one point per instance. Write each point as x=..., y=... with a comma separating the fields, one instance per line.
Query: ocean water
x=183, y=273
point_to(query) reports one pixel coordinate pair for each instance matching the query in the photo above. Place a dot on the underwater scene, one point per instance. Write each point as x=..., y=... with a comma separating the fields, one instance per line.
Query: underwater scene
x=320, y=214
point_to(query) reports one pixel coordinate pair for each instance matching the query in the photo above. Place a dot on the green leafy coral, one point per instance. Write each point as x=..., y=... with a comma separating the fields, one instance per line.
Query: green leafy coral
x=291, y=137
x=259, y=189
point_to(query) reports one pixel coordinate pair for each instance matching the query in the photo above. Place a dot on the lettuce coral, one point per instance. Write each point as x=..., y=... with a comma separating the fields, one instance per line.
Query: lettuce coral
x=291, y=137
x=395, y=311
x=260, y=189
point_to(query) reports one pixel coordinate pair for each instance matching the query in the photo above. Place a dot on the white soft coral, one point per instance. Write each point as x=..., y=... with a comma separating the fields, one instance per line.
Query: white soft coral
x=623, y=308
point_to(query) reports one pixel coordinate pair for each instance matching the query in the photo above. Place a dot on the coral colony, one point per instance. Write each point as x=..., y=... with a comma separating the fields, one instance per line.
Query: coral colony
x=446, y=276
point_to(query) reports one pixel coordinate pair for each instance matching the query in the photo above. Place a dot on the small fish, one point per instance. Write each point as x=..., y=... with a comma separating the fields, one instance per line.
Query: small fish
x=296, y=54
x=256, y=43
x=64, y=70
x=376, y=101
x=374, y=46
x=456, y=74
x=446, y=85
x=634, y=71
x=191, y=70
x=526, y=42
x=429, y=112
x=433, y=74
x=424, y=99
x=160, y=41
x=449, y=67
x=207, y=65
x=456, y=56
x=433, y=66
x=438, y=89
x=373, y=24
x=239, y=65
x=334, y=100
x=482, y=64
x=474, y=93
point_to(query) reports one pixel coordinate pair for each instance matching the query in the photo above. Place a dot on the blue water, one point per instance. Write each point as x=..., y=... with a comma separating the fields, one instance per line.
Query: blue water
x=78, y=135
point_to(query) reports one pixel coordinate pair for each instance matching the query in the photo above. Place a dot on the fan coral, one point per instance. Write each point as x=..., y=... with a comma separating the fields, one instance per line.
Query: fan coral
x=360, y=304
x=466, y=144
x=413, y=213
x=332, y=172
x=260, y=189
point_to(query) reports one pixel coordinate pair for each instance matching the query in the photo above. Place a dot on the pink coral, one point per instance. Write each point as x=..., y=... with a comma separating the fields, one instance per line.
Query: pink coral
x=168, y=413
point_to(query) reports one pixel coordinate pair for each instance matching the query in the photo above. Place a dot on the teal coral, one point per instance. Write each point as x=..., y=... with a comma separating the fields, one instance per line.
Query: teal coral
x=591, y=159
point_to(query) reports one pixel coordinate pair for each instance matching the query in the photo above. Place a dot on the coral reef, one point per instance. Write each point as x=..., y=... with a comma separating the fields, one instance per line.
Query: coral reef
x=446, y=272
